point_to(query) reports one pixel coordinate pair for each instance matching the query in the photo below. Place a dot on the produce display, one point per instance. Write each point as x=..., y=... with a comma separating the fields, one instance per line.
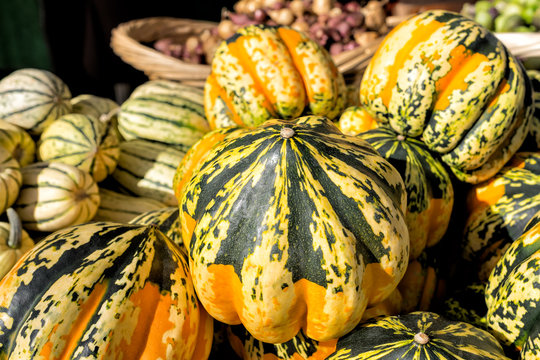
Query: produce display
x=266, y=216
x=336, y=26
x=505, y=15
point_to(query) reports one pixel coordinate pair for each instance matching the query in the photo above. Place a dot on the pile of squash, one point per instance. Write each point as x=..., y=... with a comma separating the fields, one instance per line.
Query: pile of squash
x=267, y=217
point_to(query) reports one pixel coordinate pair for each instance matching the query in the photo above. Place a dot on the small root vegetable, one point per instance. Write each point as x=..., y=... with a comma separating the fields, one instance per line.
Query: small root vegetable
x=226, y=29
x=282, y=16
x=322, y=7
x=297, y=7
x=300, y=25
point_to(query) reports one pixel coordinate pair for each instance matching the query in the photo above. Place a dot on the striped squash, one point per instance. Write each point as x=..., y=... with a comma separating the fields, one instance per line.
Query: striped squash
x=56, y=195
x=430, y=194
x=147, y=169
x=102, y=290
x=443, y=77
x=172, y=118
x=17, y=141
x=10, y=180
x=414, y=336
x=167, y=220
x=33, y=98
x=14, y=242
x=82, y=141
x=122, y=208
x=513, y=294
x=300, y=225
x=498, y=210
x=355, y=120
x=264, y=72
x=99, y=107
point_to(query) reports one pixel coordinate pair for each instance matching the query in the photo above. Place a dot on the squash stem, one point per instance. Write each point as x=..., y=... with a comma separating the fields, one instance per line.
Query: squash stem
x=15, y=229
x=286, y=132
x=421, y=338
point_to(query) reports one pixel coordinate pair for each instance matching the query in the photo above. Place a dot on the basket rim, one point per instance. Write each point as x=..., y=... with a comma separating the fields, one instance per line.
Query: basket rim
x=126, y=43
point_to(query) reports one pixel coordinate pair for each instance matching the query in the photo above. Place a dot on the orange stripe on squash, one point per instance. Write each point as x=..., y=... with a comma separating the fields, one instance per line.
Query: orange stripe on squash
x=227, y=289
x=205, y=336
x=312, y=296
x=485, y=195
x=378, y=282
x=152, y=324
x=188, y=226
x=462, y=63
x=237, y=49
x=214, y=92
x=420, y=34
x=291, y=38
x=87, y=309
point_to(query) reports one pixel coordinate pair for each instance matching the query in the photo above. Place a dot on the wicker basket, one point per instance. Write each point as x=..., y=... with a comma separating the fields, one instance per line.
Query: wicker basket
x=127, y=42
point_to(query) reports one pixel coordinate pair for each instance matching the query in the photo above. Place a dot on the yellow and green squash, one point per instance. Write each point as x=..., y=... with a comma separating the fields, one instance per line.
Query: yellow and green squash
x=302, y=227
x=103, y=290
x=447, y=80
x=264, y=72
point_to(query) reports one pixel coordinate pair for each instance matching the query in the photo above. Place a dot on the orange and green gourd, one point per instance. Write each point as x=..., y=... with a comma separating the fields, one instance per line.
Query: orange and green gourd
x=445, y=79
x=302, y=227
x=264, y=72
x=430, y=194
x=499, y=209
x=513, y=293
x=103, y=290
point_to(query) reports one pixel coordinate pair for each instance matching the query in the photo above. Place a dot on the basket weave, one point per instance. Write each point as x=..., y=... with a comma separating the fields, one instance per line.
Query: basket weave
x=127, y=42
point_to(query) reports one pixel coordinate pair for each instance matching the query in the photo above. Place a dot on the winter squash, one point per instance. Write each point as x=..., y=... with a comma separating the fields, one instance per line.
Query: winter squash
x=14, y=242
x=513, y=294
x=468, y=304
x=264, y=72
x=10, y=180
x=18, y=142
x=55, y=195
x=445, y=78
x=82, y=141
x=498, y=210
x=147, y=169
x=301, y=225
x=173, y=116
x=33, y=98
x=430, y=194
x=106, y=291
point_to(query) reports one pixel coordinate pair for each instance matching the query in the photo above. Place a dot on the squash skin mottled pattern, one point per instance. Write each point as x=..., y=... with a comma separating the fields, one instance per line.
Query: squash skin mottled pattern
x=513, y=294
x=33, y=98
x=102, y=291
x=10, y=180
x=311, y=223
x=430, y=194
x=167, y=220
x=498, y=210
x=443, y=77
x=265, y=72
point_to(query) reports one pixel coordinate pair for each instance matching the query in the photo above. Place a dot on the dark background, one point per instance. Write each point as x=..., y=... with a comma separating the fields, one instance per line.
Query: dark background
x=71, y=38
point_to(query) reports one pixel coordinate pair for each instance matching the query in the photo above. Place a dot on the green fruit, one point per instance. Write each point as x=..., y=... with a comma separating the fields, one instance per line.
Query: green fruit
x=484, y=19
x=508, y=23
